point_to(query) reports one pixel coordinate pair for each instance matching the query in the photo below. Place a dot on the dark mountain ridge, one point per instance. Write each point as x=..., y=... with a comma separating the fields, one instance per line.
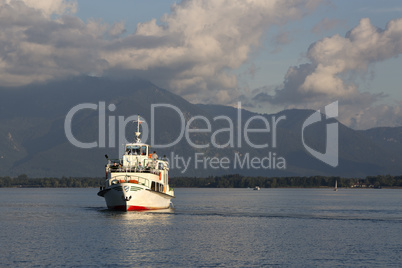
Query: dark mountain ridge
x=33, y=137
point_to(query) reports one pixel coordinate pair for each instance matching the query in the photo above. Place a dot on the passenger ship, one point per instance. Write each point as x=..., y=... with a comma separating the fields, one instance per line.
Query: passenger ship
x=137, y=181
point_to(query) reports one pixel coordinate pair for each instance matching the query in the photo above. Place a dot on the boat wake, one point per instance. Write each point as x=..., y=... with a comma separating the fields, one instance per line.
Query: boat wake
x=289, y=215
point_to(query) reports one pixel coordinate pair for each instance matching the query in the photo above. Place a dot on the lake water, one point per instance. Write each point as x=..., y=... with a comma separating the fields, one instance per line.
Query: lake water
x=206, y=228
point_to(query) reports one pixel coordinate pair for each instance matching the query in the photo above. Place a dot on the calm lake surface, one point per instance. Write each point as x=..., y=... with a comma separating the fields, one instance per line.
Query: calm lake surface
x=207, y=228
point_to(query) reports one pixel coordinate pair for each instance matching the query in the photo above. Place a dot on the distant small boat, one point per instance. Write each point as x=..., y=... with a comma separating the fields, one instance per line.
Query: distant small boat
x=257, y=188
x=336, y=186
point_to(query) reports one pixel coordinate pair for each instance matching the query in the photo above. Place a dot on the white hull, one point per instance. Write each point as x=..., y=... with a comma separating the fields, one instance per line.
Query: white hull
x=131, y=196
x=137, y=181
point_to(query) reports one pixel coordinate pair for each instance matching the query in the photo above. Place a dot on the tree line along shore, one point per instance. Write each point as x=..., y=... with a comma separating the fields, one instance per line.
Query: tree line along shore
x=226, y=181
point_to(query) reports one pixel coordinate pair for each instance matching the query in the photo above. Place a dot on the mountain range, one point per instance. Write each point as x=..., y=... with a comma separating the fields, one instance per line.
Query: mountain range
x=42, y=124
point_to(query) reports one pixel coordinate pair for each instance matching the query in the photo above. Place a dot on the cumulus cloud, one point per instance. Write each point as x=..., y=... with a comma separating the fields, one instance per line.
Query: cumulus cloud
x=332, y=63
x=364, y=117
x=47, y=7
x=190, y=51
x=199, y=41
x=34, y=47
x=193, y=50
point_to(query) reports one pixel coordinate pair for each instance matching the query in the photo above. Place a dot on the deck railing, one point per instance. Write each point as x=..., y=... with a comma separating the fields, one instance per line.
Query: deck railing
x=148, y=166
x=132, y=179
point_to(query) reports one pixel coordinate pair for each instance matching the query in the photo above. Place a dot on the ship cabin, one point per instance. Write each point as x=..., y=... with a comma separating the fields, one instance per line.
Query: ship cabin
x=137, y=158
x=139, y=165
x=135, y=155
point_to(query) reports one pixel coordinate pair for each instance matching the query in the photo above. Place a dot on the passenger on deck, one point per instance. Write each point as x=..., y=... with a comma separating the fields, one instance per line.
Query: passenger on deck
x=154, y=156
x=140, y=167
x=147, y=167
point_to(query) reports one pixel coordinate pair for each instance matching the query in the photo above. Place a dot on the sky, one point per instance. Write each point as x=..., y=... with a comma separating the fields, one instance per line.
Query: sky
x=270, y=55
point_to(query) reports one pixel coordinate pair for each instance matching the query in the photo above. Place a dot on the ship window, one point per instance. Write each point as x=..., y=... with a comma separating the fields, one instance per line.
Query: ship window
x=144, y=150
x=136, y=150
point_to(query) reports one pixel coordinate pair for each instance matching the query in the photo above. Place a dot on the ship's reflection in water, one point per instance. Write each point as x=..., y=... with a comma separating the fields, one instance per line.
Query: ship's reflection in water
x=137, y=238
x=148, y=217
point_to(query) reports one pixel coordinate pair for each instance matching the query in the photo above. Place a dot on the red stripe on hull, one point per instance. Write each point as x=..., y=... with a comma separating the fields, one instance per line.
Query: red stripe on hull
x=132, y=208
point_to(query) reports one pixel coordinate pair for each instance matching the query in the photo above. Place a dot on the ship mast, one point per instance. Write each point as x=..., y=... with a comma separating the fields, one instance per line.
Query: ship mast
x=138, y=133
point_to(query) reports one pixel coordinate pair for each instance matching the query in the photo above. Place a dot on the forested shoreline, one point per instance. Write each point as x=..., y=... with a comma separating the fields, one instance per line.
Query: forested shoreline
x=238, y=181
x=226, y=181
x=64, y=182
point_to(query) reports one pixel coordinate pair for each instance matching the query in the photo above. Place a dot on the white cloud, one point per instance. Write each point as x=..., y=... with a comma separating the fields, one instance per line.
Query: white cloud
x=48, y=7
x=34, y=47
x=364, y=117
x=199, y=41
x=191, y=51
x=333, y=61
